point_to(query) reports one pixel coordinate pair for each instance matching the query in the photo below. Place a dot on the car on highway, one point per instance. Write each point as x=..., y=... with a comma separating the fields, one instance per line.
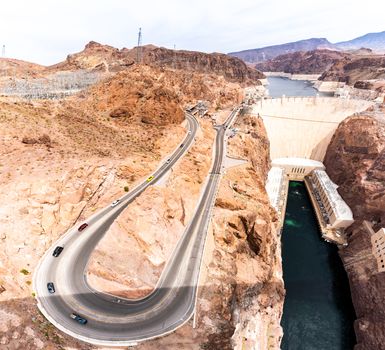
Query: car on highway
x=115, y=203
x=78, y=318
x=82, y=227
x=189, y=132
x=57, y=251
x=181, y=145
x=168, y=160
x=150, y=178
x=51, y=287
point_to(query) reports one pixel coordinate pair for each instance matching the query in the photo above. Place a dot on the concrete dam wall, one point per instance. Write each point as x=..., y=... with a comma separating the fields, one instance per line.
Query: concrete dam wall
x=303, y=126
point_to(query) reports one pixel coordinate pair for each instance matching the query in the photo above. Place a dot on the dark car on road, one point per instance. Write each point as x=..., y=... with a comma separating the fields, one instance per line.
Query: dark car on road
x=82, y=227
x=51, y=287
x=78, y=318
x=57, y=251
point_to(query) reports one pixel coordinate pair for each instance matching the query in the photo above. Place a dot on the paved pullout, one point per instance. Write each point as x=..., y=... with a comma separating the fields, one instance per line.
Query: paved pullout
x=118, y=321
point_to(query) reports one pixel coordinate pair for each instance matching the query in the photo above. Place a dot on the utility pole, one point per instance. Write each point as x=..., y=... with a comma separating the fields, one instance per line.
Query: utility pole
x=139, y=47
x=174, y=58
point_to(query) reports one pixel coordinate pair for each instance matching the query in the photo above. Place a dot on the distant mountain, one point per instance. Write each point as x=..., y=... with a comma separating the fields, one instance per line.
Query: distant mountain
x=374, y=41
x=302, y=62
x=355, y=68
x=269, y=52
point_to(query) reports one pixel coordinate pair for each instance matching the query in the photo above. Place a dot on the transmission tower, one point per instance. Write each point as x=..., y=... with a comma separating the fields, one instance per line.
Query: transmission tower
x=174, y=58
x=139, y=47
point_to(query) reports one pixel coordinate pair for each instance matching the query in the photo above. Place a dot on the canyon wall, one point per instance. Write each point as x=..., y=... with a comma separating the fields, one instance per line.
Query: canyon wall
x=355, y=160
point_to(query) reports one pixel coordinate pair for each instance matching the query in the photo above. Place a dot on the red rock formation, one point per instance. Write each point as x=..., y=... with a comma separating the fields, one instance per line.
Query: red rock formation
x=107, y=58
x=355, y=160
x=97, y=57
x=353, y=68
x=233, y=69
x=302, y=62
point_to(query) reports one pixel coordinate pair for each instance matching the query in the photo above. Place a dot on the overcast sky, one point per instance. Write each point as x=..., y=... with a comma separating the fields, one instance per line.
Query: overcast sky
x=45, y=31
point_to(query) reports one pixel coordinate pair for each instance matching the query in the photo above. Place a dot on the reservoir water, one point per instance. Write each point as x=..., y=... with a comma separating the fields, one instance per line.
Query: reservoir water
x=283, y=86
x=318, y=313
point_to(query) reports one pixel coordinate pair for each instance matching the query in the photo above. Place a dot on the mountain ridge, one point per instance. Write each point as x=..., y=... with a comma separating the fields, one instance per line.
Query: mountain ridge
x=272, y=51
x=374, y=41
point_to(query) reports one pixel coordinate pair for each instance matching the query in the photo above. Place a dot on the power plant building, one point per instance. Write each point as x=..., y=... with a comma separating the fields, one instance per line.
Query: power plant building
x=335, y=212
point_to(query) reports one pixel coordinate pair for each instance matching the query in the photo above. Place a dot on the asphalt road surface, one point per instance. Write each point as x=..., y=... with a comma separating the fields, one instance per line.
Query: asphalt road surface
x=118, y=321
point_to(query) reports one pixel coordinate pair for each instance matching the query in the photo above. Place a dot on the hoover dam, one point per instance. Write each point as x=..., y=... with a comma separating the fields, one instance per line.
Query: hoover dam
x=311, y=214
x=303, y=126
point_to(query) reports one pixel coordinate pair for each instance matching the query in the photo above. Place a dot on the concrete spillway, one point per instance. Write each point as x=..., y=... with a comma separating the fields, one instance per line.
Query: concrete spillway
x=303, y=126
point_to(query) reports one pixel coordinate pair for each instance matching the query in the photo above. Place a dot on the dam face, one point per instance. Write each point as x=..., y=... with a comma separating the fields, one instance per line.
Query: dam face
x=318, y=312
x=303, y=126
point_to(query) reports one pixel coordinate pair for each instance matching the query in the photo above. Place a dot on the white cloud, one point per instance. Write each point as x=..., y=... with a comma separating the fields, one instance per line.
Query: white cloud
x=45, y=31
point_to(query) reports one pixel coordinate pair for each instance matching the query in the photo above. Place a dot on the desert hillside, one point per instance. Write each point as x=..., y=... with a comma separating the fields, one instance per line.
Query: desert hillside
x=100, y=57
x=13, y=67
x=60, y=160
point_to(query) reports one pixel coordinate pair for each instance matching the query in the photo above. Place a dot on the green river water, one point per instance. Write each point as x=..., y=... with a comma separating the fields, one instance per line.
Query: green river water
x=318, y=313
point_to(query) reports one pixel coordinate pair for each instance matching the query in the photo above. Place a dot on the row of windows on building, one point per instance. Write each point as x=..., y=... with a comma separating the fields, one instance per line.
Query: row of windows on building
x=378, y=248
x=334, y=209
x=298, y=170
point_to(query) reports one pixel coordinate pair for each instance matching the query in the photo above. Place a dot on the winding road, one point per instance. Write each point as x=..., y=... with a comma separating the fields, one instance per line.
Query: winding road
x=114, y=321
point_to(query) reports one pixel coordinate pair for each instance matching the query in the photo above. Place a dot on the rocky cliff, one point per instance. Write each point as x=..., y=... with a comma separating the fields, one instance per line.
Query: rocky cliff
x=231, y=68
x=355, y=160
x=96, y=56
x=301, y=62
x=355, y=68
